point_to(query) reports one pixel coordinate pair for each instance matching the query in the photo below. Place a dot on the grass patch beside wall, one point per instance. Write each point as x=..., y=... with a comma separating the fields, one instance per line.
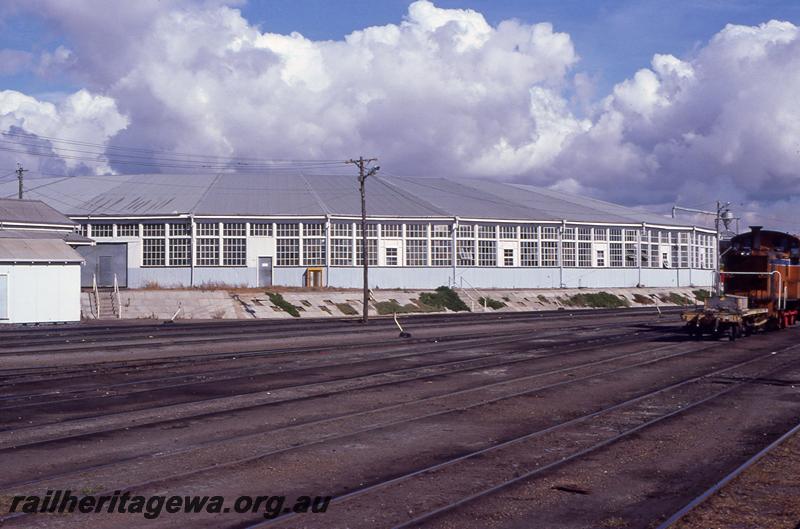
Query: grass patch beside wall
x=597, y=300
x=642, y=300
x=347, y=309
x=277, y=300
x=491, y=303
x=675, y=299
x=701, y=294
x=444, y=297
x=392, y=307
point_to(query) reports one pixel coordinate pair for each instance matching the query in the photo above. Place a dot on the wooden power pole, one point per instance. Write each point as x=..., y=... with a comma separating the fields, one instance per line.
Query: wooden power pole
x=20, y=171
x=364, y=173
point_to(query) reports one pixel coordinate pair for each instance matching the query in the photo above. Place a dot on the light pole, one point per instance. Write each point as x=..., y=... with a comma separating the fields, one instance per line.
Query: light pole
x=724, y=215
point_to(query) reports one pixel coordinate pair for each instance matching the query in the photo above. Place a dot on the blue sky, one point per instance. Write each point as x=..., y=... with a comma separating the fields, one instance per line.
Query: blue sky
x=613, y=38
x=704, y=107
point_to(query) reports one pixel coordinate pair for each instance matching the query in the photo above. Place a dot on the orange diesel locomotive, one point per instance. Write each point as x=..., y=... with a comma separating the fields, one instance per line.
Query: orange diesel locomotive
x=760, y=275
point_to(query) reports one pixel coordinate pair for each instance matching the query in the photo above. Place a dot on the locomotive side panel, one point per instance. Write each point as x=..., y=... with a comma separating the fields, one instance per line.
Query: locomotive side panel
x=764, y=251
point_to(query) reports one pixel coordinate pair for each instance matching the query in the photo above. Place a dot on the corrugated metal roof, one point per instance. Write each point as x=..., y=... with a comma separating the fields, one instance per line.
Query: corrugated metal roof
x=37, y=251
x=318, y=194
x=30, y=212
x=68, y=236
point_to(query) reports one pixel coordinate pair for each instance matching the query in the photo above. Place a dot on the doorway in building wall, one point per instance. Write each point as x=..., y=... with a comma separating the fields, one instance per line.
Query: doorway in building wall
x=265, y=271
x=103, y=262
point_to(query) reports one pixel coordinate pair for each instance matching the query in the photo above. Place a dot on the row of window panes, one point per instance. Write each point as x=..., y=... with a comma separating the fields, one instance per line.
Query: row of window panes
x=573, y=254
x=207, y=249
x=152, y=230
x=234, y=253
x=261, y=229
x=234, y=229
x=372, y=252
x=314, y=251
x=341, y=252
x=413, y=231
x=416, y=231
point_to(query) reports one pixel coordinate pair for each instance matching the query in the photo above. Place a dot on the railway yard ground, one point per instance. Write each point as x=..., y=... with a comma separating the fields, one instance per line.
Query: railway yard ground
x=601, y=419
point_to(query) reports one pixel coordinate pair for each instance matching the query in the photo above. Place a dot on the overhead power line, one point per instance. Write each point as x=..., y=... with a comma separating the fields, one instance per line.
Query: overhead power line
x=151, y=159
x=190, y=165
x=160, y=151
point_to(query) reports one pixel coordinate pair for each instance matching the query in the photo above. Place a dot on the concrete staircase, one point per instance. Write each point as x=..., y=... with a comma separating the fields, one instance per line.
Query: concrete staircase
x=108, y=308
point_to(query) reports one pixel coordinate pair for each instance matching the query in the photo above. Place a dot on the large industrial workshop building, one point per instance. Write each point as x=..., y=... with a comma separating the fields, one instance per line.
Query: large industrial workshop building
x=244, y=229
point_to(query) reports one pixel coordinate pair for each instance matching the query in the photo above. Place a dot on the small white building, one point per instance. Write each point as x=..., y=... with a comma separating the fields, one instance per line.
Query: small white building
x=40, y=272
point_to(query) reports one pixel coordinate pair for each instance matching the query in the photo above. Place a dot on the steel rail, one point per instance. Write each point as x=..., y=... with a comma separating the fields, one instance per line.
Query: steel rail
x=122, y=332
x=305, y=321
x=686, y=509
x=217, y=466
x=34, y=427
x=211, y=357
x=167, y=341
x=80, y=347
x=206, y=444
x=527, y=475
x=436, y=346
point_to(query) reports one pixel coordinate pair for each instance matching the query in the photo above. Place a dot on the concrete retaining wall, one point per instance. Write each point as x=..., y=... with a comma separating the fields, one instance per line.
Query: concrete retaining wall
x=256, y=304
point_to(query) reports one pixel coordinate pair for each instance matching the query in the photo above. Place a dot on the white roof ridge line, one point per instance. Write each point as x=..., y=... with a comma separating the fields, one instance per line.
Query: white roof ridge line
x=323, y=206
x=193, y=209
x=412, y=197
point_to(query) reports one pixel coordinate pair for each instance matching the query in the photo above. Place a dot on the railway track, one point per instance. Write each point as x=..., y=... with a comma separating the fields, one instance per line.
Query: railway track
x=124, y=336
x=16, y=376
x=217, y=466
x=472, y=403
x=103, y=376
x=514, y=384
x=347, y=383
x=118, y=326
x=503, y=456
x=259, y=379
x=690, y=507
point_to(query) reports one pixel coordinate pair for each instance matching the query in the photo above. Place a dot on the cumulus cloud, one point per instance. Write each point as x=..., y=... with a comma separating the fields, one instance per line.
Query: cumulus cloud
x=721, y=124
x=81, y=117
x=441, y=92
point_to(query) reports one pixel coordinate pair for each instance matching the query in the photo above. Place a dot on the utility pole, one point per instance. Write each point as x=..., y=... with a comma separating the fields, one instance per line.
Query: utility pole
x=363, y=173
x=20, y=171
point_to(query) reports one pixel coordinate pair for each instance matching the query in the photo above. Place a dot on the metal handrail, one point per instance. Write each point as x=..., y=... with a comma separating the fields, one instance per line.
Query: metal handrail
x=116, y=298
x=96, y=296
x=485, y=298
x=471, y=299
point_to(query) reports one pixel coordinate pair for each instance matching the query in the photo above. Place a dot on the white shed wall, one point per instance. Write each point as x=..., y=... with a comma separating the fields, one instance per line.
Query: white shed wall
x=42, y=292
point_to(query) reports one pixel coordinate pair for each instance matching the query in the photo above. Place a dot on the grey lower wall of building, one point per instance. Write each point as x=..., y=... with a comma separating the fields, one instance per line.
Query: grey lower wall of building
x=407, y=277
x=182, y=277
x=159, y=277
x=384, y=277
